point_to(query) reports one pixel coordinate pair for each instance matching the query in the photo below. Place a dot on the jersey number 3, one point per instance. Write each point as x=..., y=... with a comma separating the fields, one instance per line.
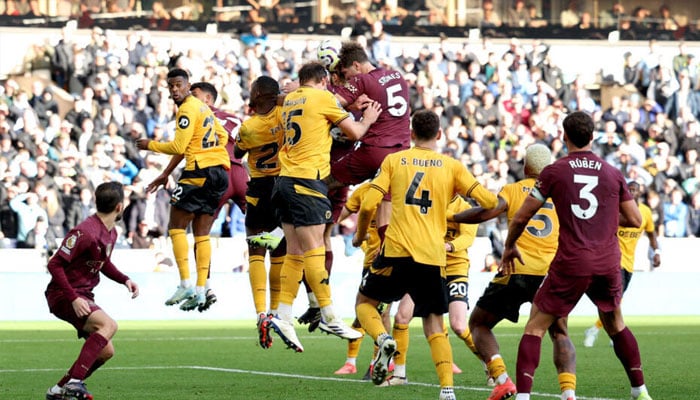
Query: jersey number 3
x=586, y=193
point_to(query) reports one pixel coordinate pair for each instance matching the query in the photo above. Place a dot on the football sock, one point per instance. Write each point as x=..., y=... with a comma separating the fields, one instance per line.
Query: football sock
x=522, y=396
x=328, y=263
x=627, y=350
x=528, y=360
x=598, y=323
x=568, y=394
x=400, y=334
x=441, y=353
x=399, y=369
x=313, y=302
x=317, y=276
x=290, y=276
x=95, y=366
x=370, y=320
x=88, y=354
x=258, y=282
x=180, y=252
x=354, y=346
x=567, y=381
x=202, y=249
x=636, y=391
x=466, y=337
x=497, y=368
x=275, y=268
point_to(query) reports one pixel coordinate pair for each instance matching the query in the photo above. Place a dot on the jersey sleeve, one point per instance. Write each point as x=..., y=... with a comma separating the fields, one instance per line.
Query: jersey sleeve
x=470, y=187
x=332, y=109
x=184, y=129
x=351, y=91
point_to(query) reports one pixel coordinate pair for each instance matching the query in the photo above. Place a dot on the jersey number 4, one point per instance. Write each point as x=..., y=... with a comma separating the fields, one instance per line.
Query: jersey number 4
x=423, y=201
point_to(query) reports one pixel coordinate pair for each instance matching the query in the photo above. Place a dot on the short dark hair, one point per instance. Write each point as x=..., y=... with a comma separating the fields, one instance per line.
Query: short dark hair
x=108, y=196
x=578, y=127
x=425, y=124
x=178, y=72
x=263, y=93
x=312, y=72
x=351, y=52
x=205, y=87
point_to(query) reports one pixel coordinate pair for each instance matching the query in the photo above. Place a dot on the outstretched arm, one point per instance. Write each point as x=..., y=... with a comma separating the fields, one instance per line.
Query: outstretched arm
x=476, y=215
x=515, y=229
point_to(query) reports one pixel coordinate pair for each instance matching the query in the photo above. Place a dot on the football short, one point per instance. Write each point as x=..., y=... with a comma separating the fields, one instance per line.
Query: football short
x=457, y=289
x=626, y=277
x=63, y=309
x=504, y=296
x=302, y=202
x=559, y=292
x=361, y=164
x=200, y=190
x=237, y=186
x=261, y=215
x=389, y=278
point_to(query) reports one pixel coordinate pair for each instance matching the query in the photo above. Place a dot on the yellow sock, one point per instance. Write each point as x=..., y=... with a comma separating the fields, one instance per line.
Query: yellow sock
x=317, y=276
x=496, y=366
x=466, y=337
x=202, y=256
x=290, y=277
x=275, y=268
x=354, y=345
x=441, y=352
x=258, y=282
x=370, y=319
x=180, y=252
x=598, y=324
x=567, y=381
x=400, y=334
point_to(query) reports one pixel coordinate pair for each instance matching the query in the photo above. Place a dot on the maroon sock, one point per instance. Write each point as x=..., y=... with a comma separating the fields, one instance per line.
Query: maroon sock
x=95, y=366
x=306, y=284
x=329, y=261
x=63, y=380
x=627, y=350
x=88, y=354
x=528, y=360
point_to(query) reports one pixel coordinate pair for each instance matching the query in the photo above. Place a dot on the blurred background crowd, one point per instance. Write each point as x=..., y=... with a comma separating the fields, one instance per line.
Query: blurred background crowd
x=70, y=120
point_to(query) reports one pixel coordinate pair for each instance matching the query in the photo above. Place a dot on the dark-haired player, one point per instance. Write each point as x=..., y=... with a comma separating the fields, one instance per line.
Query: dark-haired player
x=421, y=182
x=261, y=137
x=302, y=195
x=200, y=138
x=75, y=271
x=591, y=200
x=237, y=174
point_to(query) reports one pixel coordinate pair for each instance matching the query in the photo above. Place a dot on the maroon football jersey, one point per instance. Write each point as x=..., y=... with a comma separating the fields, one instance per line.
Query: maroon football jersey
x=231, y=124
x=85, y=252
x=392, y=128
x=587, y=192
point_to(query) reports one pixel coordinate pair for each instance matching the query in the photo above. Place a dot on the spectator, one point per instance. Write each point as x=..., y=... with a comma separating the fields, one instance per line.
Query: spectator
x=518, y=16
x=570, y=16
x=536, y=20
x=668, y=23
x=676, y=215
x=28, y=210
x=694, y=224
x=490, y=18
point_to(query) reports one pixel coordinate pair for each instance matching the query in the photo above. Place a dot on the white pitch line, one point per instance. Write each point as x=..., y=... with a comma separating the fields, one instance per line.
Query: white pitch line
x=283, y=375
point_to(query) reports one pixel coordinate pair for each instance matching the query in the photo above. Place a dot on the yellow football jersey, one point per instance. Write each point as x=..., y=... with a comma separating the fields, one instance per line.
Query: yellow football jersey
x=462, y=237
x=198, y=136
x=539, y=240
x=307, y=116
x=262, y=136
x=422, y=183
x=628, y=238
x=370, y=246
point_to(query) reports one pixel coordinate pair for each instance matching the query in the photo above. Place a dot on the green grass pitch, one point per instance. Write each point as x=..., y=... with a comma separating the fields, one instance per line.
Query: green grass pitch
x=221, y=360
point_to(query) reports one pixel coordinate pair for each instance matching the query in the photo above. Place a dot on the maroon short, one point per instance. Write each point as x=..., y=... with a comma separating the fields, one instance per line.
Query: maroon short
x=361, y=164
x=560, y=293
x=63, y=309
x=237, y=186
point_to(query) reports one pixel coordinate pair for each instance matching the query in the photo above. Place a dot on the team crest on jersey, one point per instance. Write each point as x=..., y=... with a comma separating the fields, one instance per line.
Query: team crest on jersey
x=183, y=122
x=69, y=243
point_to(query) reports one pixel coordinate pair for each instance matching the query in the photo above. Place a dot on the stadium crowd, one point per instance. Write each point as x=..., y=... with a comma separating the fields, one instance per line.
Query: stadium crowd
x=492, y=106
